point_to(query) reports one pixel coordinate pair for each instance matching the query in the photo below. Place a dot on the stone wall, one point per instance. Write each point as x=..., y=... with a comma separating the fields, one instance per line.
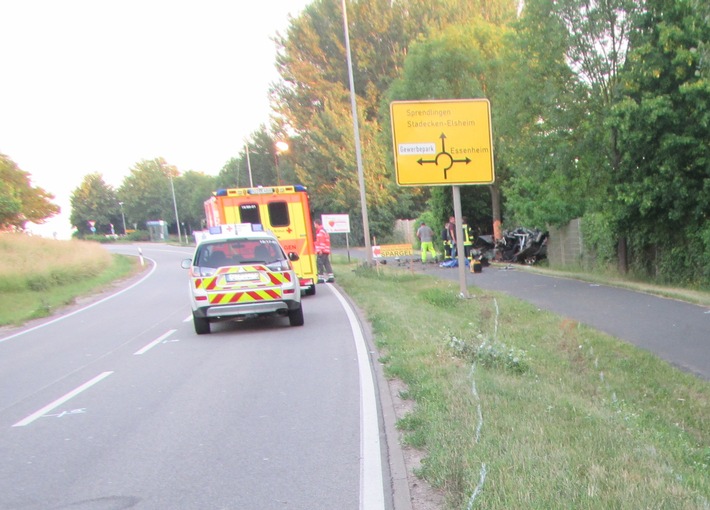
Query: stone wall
x=564, y=246
x=404, y=231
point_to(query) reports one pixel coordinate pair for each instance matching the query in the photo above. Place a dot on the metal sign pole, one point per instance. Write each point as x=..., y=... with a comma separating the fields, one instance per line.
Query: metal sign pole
x=459, y=241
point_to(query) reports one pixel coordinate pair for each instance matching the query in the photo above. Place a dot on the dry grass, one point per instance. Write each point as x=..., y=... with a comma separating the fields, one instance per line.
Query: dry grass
x=39, y=275
x=34, y=263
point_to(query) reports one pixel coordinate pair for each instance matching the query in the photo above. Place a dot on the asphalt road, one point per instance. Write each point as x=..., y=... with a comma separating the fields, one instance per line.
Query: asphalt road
x=676, y=331
x=121, y=405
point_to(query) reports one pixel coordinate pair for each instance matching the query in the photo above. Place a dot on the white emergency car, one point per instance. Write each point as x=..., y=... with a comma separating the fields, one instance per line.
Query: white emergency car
x=239, y=272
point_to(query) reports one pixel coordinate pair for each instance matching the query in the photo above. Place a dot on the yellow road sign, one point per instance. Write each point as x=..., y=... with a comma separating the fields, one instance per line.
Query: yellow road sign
x=392, y=250
x=442, y=142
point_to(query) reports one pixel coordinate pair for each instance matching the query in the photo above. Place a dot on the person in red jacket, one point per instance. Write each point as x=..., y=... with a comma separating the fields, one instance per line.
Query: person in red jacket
x=325, y=270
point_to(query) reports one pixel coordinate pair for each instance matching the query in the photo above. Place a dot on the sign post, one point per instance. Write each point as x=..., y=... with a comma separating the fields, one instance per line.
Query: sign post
x=444, y=142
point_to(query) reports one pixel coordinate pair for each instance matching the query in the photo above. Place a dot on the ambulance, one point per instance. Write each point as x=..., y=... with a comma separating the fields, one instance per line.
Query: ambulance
x=282, y=210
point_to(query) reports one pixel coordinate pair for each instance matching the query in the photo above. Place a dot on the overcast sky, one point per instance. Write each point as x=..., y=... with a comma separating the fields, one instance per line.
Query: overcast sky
x=97, y=86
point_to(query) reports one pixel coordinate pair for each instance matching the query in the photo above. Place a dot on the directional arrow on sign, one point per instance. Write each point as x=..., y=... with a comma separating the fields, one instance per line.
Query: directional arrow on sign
x=447, y=160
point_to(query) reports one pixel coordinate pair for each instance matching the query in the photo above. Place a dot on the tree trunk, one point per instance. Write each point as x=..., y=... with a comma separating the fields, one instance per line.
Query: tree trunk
x=495, y=211
x=622, y=255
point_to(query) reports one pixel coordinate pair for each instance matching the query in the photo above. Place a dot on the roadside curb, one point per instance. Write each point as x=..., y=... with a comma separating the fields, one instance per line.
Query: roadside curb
x=399, y=496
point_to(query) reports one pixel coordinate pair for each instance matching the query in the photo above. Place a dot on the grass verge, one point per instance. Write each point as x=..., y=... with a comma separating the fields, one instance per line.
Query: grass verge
x=518, y=408
x=41, y=275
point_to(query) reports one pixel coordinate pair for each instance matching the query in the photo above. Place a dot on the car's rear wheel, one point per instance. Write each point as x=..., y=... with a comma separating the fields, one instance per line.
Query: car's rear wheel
x=311, y=291
x=202, y=325
x=295, y=317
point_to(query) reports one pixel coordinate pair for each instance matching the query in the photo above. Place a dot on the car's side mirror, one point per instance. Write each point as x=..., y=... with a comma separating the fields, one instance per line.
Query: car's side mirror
x=186, y=263
x=293, y=257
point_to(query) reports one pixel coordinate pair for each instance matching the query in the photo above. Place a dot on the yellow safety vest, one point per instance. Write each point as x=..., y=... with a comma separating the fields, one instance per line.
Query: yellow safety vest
x=467, y=241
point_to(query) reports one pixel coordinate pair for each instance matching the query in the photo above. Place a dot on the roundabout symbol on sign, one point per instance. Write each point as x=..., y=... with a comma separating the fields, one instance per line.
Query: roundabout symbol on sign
x=447, y=160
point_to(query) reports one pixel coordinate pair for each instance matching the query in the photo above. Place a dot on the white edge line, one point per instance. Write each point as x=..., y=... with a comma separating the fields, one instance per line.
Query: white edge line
x=154, y=343
x=372, y=495
x=155, y=265
x=61, y=400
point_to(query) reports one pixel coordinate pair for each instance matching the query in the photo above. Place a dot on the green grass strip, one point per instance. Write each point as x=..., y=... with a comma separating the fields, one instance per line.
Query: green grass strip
x=37, y=298
x=551, y=413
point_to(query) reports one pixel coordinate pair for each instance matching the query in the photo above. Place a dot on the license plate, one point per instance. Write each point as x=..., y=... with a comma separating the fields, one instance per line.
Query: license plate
x=242, y=277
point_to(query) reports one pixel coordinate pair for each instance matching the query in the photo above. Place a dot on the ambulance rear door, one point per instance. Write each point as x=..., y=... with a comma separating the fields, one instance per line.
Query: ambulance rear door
x=288, y=217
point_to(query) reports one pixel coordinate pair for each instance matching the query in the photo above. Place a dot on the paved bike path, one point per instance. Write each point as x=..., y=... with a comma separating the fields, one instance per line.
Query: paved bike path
x=676, y=331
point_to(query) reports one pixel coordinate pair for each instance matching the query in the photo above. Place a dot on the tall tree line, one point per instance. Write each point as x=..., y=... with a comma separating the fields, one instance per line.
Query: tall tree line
x=588, y=102
x=599, y=109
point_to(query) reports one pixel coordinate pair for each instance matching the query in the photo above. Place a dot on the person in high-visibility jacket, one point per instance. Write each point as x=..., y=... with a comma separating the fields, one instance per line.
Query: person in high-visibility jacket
x=445, y=237
x=426, y=237
x=322, y=246
x=467, y=238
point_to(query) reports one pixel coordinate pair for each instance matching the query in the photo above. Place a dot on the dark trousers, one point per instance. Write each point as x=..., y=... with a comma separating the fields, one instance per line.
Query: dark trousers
x=323, y=262
x=447, y=250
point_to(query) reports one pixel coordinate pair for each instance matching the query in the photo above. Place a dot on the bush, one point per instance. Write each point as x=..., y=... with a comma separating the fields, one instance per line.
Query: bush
x=487, y=352
x=138, y=235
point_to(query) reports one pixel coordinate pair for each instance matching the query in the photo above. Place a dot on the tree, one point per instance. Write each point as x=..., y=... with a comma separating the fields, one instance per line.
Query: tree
x=95, y=201
x=599, y=32
x=192, y=189
x=459, y=63
x=147, y=194
x=663, y=121
x=541, y=123
x=313, y=102
x=20, y=202
x=269, y=165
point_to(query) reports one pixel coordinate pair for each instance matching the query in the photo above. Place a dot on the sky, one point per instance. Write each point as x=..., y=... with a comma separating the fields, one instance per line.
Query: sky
x=97, y=86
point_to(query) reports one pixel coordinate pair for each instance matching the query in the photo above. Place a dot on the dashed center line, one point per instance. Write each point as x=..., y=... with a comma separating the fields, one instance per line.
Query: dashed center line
x=62, y=400
x=154, y=343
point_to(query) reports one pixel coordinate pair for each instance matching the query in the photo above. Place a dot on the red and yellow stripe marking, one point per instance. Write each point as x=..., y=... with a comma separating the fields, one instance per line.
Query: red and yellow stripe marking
x=250, y=296
x=275, y=278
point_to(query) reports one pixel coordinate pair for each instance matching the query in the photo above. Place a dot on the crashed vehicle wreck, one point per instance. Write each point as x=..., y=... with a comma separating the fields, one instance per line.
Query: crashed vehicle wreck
x=522, y=246
x=519, y=246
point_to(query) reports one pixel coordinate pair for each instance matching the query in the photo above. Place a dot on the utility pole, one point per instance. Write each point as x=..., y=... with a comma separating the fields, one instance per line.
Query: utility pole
x=356, y=133
x=177, y=220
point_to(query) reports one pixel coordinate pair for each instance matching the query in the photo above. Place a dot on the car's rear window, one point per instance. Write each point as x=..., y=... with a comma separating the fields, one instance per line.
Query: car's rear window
x=238, y=251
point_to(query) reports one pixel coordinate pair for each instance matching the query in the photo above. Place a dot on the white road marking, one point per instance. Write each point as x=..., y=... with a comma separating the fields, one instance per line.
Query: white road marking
x=62, y=400
x=372, y=495
x=66, y=413
x=154, y=343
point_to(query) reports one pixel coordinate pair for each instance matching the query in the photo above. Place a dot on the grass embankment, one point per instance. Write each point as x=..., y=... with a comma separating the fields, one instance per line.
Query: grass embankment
x=39, y=275
x=517, y=408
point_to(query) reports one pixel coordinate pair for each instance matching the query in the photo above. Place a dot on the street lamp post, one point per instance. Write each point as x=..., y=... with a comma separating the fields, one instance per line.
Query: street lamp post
x=356, y=134
x=177, y=220
x=123, y=217
x=251, y=181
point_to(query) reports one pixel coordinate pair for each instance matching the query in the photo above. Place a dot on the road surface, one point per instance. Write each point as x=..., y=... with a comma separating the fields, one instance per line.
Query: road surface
x=121, y=405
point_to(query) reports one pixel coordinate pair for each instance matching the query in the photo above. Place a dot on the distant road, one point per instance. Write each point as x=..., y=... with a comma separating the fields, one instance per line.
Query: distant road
x=676, y=331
